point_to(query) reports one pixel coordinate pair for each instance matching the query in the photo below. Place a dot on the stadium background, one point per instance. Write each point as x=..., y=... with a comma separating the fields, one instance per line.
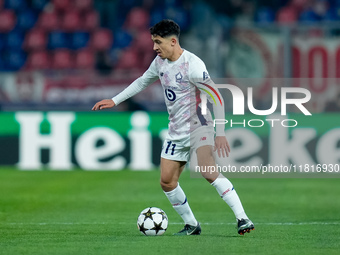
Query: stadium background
x=63, y=56
x=58, y=57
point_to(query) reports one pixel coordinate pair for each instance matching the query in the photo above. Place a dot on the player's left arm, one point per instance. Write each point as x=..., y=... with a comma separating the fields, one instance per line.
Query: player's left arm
x=206, y=85
x=221, y=143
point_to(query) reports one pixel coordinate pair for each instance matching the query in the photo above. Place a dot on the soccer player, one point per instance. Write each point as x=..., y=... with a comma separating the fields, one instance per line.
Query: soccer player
x=184, y=77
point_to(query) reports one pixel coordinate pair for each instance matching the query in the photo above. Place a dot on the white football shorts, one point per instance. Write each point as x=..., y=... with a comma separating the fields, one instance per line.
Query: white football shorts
x=181, y=149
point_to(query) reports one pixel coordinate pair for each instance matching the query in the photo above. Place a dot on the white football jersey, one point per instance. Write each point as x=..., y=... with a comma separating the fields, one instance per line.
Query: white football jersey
x=183, y=81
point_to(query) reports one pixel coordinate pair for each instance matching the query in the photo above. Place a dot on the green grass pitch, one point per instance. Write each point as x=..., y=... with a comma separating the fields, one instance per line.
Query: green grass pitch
x=79, y=212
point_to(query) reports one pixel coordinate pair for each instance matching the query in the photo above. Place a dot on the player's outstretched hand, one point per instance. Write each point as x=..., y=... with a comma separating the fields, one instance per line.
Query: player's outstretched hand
x=104, y=104
x=222, y=146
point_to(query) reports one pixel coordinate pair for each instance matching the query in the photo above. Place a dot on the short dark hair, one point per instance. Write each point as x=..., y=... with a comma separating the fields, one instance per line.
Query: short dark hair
x=165, y=28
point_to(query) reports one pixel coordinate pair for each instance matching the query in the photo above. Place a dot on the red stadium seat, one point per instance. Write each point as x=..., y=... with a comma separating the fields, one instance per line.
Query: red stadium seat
x=35, y=39
x=102, y=39
x=300, y=4
x=137, y=19
x=84, y=59
x=7, y=20
x=61, y=5
x=143, y=41
x=71, y=21
x=38, y=60
x=83, y=4
x=90, y=21
x=128, y=60
x=287, y=15
x=62, y=59
x=48, y=21
x=146, y=59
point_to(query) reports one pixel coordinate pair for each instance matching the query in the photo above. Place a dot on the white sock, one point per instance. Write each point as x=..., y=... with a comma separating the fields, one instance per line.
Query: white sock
x=179, y=202
x=227, y=192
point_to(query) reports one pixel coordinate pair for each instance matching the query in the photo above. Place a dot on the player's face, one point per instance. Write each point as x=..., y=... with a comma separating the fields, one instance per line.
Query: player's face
x=164, y=47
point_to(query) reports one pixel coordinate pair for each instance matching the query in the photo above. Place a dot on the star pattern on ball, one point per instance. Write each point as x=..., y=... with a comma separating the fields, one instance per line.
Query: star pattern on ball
x=163, y=216
x=157, y=227
x=142, y=228
x=148, y=214
x=152, y=221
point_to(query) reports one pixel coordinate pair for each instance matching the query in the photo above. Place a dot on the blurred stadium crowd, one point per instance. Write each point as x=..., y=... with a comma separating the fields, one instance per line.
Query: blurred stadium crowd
x=108, y=37
x=104, y=34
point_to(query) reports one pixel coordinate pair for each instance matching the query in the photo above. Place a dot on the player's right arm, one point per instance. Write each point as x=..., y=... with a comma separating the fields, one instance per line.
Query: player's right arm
x=103, y=104
x=150, y=76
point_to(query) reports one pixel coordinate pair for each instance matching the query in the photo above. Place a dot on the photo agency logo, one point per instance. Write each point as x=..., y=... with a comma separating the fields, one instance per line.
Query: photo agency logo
x=288, y=96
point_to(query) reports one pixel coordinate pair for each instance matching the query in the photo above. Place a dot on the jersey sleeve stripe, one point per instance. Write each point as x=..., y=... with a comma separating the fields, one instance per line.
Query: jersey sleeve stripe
x=209, y=94
x=212, y=89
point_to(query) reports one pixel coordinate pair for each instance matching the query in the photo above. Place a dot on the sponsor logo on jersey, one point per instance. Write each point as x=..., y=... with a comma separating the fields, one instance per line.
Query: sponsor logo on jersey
x=170, y=95
x=203, y=138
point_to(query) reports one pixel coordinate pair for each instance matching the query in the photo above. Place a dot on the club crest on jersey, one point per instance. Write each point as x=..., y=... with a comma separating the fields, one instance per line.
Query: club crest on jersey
x=205, y=75
x=179, y=77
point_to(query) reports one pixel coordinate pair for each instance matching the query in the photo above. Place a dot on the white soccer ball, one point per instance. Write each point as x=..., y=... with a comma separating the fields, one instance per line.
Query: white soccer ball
x=152, y=221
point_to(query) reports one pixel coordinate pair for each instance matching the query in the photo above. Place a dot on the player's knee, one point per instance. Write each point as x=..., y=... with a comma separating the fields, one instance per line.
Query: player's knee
x=168, y=185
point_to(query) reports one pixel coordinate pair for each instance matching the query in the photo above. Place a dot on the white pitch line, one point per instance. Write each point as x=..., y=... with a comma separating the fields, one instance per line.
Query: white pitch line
x=171, y=223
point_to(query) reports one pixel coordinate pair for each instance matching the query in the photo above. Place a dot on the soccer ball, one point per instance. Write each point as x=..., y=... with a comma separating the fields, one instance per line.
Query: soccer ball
x=152, y=221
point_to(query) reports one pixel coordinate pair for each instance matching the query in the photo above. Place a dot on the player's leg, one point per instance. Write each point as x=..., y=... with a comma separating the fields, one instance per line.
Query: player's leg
x=224, y=187
x=205, y=159
x=170, y=172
